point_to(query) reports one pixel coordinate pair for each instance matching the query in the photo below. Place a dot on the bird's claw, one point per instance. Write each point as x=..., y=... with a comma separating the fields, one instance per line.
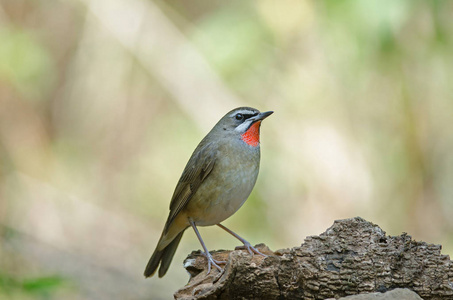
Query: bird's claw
x=212, y=261
x=252, y=250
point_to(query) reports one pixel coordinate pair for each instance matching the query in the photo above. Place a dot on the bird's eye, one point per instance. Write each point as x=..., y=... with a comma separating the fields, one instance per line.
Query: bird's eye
x=239, y=117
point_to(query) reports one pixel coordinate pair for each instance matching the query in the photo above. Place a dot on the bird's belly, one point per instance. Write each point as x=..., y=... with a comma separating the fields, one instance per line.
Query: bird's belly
x=223, y=207
x=218, y=199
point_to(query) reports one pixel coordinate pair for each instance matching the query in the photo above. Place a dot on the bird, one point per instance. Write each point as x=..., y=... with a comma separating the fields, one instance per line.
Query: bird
x=215, y=183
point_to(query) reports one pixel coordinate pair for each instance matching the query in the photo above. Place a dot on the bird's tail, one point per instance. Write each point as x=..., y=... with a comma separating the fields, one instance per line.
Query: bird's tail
x=162, y=257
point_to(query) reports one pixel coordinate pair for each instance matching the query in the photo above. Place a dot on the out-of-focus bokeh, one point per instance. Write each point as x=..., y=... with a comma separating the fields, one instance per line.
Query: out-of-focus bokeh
x=103, y=101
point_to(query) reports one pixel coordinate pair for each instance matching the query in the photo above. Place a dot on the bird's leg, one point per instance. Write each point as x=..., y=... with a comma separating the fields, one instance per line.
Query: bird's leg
x=247, y=245
x=219, y=262
x=208, y=255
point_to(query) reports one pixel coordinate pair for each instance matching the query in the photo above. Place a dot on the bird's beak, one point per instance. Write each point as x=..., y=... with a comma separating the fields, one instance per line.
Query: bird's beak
x=261, y=116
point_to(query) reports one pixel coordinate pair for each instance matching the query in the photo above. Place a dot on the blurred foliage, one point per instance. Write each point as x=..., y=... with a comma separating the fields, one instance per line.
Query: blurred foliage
x=24, y=63
x=34, y=288
x=102, y=102
x=234, y=35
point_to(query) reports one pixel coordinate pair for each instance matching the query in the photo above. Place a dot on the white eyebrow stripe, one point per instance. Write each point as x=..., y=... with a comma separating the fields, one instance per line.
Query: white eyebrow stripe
x=244, y=112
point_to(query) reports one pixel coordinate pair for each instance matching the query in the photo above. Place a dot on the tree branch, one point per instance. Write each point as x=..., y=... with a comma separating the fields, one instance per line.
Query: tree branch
x=352, y=257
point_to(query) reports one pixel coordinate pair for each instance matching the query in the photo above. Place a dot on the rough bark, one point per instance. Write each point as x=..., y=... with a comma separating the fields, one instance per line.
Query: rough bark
x=352, y=257
x=396, y=294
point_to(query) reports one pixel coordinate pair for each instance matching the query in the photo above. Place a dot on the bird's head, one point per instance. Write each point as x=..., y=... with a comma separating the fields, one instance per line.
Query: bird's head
x=244, y=122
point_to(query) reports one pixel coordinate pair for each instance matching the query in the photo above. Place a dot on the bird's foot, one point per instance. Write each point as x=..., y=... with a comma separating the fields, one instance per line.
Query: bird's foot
x=219, y=262
x=252, y=250
x=214, y=262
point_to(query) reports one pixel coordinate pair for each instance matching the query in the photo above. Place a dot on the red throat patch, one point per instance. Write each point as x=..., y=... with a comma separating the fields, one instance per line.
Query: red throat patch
x=252, y=135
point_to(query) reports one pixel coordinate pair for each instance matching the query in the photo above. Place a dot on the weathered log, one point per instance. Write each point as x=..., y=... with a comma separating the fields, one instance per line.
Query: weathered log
x=352, y=257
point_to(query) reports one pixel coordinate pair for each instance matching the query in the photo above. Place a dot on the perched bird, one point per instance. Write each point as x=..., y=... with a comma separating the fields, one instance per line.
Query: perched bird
x=216, y=181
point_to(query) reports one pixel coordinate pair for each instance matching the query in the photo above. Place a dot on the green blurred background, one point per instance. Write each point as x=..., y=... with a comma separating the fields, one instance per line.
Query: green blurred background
x=103, y=101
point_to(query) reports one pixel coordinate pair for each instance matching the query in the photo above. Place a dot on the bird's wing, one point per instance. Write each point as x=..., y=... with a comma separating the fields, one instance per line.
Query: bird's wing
x=197, y=170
